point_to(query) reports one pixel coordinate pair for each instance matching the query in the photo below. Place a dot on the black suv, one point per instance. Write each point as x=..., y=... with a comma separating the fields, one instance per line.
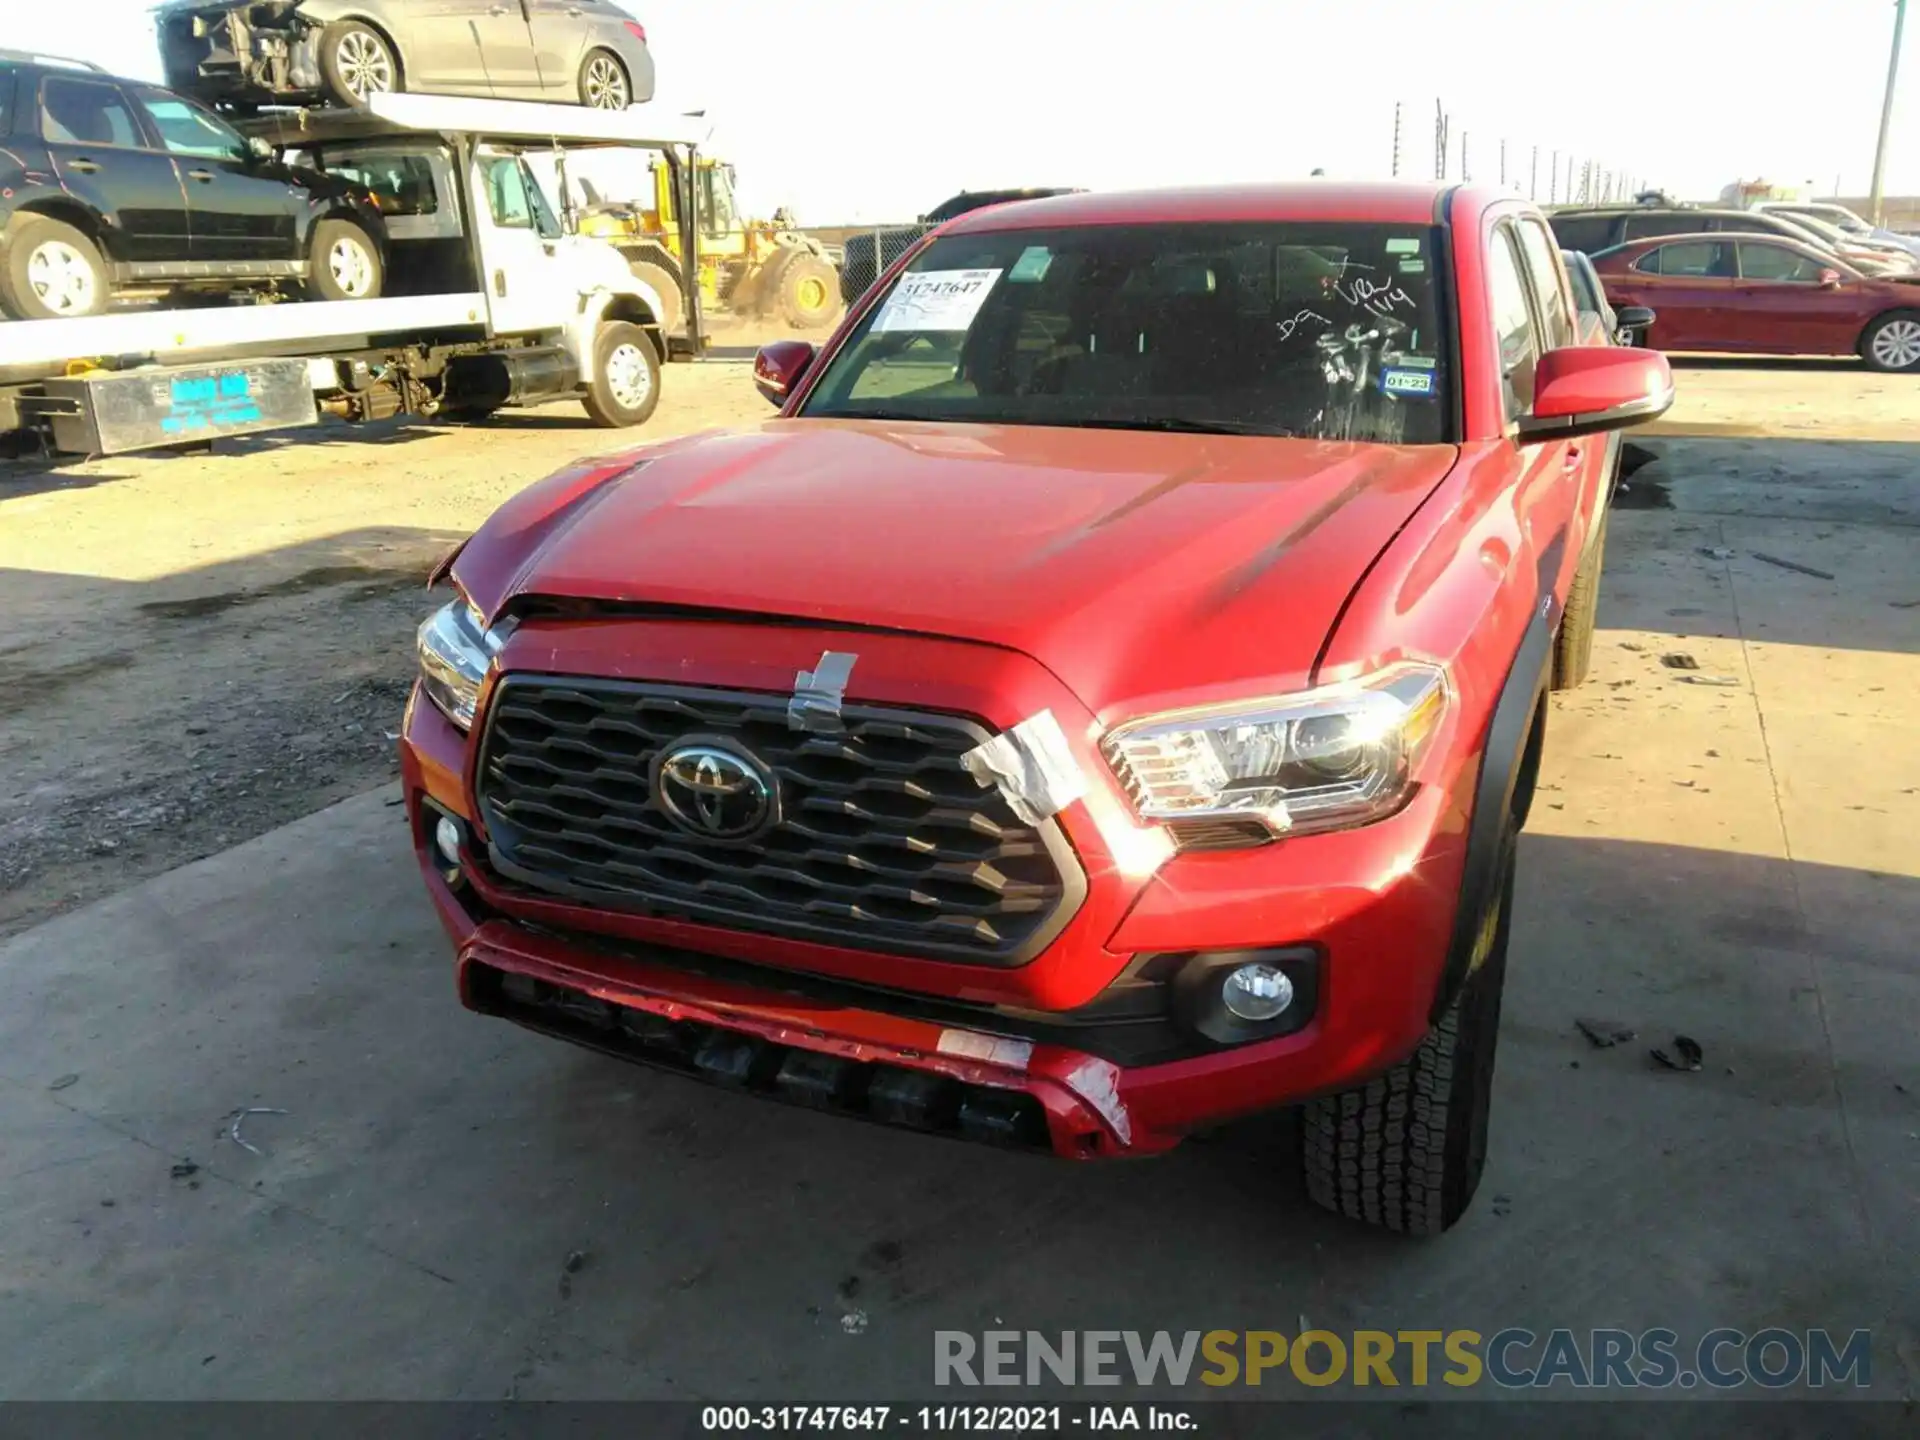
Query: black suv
x=1593, y=228
x=868, y=253
x=114, y=188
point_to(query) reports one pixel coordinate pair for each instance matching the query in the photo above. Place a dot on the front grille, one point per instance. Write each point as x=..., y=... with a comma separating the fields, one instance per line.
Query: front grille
x=883, y=841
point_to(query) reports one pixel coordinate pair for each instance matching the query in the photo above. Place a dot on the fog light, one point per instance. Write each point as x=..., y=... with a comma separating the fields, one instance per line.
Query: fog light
x=1254, y=992
x=446, y=836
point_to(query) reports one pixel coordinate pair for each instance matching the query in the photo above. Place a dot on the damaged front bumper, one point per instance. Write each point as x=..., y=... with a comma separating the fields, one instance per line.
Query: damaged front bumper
x=247, y=51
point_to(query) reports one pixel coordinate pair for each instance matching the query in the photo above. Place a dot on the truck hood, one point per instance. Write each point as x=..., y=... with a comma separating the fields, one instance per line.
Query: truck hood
x=1135, y=565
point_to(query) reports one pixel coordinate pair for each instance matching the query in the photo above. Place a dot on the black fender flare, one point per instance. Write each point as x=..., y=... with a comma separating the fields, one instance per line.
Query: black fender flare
x=1505, y=784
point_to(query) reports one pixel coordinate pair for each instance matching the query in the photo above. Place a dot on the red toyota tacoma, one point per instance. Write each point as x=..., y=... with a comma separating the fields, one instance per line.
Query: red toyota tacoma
x=1103, y=703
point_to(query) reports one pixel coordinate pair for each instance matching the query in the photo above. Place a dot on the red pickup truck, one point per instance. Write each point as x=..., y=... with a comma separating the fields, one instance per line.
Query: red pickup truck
x=1103, y=703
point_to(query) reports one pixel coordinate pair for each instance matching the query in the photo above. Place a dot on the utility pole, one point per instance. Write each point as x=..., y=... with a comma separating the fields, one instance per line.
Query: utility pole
x=1553, y=180
x=1533, y=176
x=1466, y=165
x=1503, y=164
x=1396, y=139
x=1876, y=202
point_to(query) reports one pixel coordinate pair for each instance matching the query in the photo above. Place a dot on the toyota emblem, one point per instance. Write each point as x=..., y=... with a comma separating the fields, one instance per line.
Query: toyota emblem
x=715, y=792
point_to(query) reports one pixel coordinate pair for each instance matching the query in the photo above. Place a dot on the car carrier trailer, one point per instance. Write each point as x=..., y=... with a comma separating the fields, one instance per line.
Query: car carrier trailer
x=489, y=302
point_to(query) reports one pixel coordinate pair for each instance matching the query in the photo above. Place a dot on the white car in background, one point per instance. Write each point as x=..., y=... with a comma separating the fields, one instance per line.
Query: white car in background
x=1857, y=230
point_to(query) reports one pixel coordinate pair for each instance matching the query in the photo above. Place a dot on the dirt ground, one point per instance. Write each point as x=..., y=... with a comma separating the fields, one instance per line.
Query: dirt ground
x=205, y=646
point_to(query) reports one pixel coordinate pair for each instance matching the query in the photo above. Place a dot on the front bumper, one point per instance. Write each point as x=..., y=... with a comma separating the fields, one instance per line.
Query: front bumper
x=258, y=51
x=1081, y=1051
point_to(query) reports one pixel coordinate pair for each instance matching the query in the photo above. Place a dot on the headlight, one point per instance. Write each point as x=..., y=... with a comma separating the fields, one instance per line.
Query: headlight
x=455, y=650
x=1321, y=760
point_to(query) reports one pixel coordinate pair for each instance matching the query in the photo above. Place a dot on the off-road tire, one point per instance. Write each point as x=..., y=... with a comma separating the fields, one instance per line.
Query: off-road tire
x=1873, y=332
x=809, y=293
x=1573, y=646
x=320, y=277
x=591, y=83
x=607, y=404
x=667, y=288
x=332, y=65
x=25, y=236
x=1406, y=1150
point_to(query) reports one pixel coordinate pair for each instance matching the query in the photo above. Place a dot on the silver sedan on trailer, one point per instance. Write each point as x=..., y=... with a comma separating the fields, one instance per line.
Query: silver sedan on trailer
x=240, y=54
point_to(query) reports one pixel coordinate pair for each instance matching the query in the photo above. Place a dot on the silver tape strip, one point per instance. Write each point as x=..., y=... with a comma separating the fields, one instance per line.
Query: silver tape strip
x=1033, y=765
x=817, y=693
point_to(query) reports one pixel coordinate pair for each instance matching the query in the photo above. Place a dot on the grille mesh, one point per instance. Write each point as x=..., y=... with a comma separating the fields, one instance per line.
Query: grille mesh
x=884, y=841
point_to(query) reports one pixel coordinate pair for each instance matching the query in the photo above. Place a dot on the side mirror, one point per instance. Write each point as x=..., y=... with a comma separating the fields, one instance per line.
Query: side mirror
x=1586, y=389
x=1634, y=317
x=258, y=148
x=1829, y=279
x=779, y=366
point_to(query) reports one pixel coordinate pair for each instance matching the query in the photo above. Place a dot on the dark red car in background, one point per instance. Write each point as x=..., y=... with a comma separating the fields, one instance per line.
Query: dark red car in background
x=1104, y=703
x=1754, y=294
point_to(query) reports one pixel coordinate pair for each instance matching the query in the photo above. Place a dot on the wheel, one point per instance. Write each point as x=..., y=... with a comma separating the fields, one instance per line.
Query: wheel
x=1573, y=646
x=357, y=61
x=346, y=262
x=1893, y=342
x=603, y=82
x=666, y=287
x=626, y=377
x=53, y=272
x=1406, y=1150
x=809, y=292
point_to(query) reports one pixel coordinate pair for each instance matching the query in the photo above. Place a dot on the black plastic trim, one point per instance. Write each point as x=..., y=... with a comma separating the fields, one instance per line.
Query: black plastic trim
x=1502, y=759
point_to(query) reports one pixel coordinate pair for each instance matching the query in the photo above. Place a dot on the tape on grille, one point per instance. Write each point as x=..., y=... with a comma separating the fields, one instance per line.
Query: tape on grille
x=1033, y=766
x=817, y=693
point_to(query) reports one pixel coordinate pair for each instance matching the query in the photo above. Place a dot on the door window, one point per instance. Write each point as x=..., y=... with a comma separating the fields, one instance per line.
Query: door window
x=1776, y=262
x=85, y=112
x=186, y=129
x=1587, y=233
x=1512, y=323
x=1695, y=259
x=1645, y=227
x=1556, y=311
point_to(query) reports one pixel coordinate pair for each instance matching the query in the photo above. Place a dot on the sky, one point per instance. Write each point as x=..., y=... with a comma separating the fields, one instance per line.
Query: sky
x=867, y=110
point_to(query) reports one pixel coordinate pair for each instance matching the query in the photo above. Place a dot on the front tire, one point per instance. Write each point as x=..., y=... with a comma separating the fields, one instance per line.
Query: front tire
x=809, y=292
x=1406, y=1151
x=626, y=377
x=603, y=82
x=1892, y=343
x=345, y=263
x=357, y=62
x=52, y=272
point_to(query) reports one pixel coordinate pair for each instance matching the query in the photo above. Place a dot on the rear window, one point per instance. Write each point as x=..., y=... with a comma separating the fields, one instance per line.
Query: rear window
x=1323, y=330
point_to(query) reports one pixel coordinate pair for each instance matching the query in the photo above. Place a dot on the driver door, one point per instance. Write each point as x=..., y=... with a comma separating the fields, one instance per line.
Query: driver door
x=527, y=281
x=243, y=212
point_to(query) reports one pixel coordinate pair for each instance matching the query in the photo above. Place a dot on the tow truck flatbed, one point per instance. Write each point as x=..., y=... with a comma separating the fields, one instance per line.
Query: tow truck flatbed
x=294, y=328
x=495, y=305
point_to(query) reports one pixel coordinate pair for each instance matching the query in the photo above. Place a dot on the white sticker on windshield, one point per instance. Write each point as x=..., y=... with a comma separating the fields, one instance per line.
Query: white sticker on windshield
x=936, y=300
x=1403, y=245
x=1031, y=266
x=1413, y=267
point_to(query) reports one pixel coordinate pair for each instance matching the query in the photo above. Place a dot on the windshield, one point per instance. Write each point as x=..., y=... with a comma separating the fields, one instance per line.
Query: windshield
x=1325, y=330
